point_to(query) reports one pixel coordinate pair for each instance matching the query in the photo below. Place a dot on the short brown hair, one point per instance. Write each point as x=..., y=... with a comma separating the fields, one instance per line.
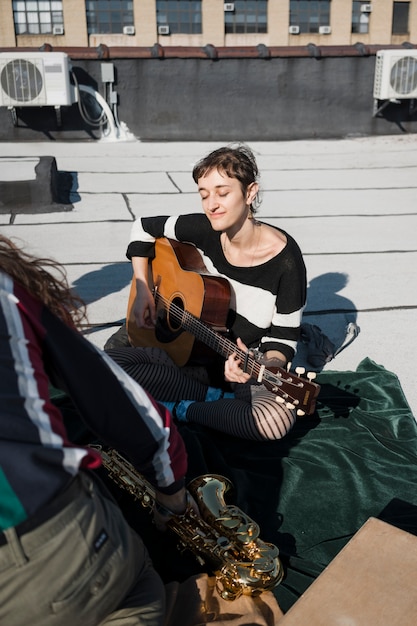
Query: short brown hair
x=236, y=161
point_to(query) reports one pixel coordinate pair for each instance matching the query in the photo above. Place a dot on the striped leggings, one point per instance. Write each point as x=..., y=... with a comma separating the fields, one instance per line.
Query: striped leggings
x=254, y=413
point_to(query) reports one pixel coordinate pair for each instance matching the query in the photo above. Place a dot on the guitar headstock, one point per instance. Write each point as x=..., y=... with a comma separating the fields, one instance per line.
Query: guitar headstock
x=296, y=389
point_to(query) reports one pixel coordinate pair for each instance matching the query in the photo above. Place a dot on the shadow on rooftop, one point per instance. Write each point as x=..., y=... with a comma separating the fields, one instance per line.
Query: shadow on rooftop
x=329, y=311
x=102, y=282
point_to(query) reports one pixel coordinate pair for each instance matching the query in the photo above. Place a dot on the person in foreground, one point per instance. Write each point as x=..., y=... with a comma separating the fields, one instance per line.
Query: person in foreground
x=267, y=275
x=67, y=556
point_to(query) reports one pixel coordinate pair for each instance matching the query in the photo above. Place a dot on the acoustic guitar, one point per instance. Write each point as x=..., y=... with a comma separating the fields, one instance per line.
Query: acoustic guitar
x=192, y=307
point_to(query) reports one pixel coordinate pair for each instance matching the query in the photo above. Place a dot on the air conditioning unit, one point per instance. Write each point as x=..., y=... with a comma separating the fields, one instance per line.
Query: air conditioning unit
x=129, y=30
x=395, y=75
x=229, y=6
x=366, y=8
x=58, y=29
x=35, y=79
x=163, y=29
x=294, y=30
x=325, y=30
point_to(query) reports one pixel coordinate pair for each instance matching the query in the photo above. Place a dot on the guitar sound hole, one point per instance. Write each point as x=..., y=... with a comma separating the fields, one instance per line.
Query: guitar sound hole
x=174, y=314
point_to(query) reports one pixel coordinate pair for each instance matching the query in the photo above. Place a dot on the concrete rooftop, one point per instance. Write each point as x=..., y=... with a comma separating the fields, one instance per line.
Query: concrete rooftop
x=350, y=204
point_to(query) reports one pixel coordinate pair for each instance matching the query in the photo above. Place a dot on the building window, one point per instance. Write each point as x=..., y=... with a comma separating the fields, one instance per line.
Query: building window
x=179, y=16
x=309, y=15
x=246, y=16
x=36, y=17
x=360, y=18
x=400, y=18
x=108, y=16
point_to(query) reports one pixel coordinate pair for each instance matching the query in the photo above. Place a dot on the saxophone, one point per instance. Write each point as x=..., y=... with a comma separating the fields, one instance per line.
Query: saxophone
x=222, y=536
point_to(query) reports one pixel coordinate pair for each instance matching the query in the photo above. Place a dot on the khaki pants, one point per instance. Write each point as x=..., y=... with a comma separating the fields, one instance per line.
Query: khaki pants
x=84, y=566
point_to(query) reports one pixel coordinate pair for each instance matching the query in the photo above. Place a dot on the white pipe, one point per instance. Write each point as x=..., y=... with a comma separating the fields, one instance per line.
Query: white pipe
x=113, y=132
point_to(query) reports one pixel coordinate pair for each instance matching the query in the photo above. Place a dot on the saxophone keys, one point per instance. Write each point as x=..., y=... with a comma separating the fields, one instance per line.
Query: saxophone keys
x=248, y=532
x=224, y=543
x=228, y=521
x=268, y=548
x=263, y=565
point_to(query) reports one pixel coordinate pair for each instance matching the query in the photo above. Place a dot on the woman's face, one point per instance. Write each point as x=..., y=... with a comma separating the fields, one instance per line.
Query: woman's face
x=223, y=200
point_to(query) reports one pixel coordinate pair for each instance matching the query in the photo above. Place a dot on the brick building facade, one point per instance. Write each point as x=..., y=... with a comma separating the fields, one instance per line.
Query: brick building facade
x=88, y=23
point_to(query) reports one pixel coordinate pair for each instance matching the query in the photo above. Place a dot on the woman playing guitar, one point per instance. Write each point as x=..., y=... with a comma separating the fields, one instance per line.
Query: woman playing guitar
x=266, y=273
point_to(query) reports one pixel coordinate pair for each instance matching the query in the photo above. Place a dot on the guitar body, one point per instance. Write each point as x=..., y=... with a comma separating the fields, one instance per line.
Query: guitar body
x=182, y=280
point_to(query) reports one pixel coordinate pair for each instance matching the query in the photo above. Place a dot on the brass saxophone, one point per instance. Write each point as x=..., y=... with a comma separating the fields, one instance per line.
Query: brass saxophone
x=224, y=537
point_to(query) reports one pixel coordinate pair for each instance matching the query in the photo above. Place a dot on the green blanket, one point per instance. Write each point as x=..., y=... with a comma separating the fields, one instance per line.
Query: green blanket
x=310, y=492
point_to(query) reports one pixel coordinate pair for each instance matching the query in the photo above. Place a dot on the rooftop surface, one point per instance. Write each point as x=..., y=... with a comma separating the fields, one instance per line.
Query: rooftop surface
x=350, y=204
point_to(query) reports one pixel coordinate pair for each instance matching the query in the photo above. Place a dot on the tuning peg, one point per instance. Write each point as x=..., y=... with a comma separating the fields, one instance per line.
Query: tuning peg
x=300, y=370
x=311, y=375
x=280, y=399
x=300, y=413
x=289, y=405
x=289, y=366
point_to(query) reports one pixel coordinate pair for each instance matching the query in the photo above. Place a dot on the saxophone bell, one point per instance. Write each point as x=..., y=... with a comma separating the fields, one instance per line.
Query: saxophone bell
x=248, y=565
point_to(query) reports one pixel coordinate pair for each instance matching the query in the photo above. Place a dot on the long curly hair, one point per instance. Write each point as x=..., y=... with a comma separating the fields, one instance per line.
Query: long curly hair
x=43, y=278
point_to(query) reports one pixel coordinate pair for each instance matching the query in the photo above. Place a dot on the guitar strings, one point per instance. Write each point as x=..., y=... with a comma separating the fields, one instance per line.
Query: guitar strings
x=189, y=321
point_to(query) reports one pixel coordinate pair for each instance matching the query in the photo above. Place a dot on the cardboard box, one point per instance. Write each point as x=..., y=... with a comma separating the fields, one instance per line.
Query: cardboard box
x=371, y=582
